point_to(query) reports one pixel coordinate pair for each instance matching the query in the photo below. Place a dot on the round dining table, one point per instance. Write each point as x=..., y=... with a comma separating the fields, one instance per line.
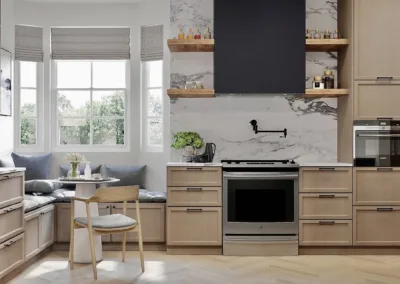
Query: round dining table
x=86, y=189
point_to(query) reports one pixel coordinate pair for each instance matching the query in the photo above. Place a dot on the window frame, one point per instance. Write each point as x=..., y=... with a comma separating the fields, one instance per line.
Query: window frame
x=39, y=146
x=145, y=116
x=56, y=146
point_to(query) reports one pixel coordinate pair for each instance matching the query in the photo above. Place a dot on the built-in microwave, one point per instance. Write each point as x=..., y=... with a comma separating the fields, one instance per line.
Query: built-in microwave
x=376, y=143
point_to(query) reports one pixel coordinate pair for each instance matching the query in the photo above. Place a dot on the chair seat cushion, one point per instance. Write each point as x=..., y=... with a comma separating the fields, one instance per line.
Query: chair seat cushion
x=113, y=221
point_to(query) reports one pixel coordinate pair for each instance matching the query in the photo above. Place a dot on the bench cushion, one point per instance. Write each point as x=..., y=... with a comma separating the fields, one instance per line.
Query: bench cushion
x=112, y=221
x=32, y=202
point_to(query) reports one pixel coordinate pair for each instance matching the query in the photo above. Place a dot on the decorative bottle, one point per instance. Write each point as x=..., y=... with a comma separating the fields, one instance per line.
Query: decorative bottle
x=88, y=171
x=190, y=34
x=317, y=35
x=327, y=34
x=207, y=34
x=181, y=34
x=336, y=34
x=197, y=34
x=308, y=35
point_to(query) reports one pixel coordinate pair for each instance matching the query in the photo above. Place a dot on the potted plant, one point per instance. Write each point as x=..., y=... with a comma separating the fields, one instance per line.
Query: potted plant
x=74, y=159
x=189, y=142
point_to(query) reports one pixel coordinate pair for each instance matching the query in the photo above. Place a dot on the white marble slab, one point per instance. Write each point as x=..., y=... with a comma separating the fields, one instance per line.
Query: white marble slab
x=179, y=164
x=322, y=164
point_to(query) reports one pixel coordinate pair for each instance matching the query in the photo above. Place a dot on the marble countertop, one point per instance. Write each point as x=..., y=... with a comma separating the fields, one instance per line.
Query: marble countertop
x=11, y=170
x=180, y=164
x=325, y=164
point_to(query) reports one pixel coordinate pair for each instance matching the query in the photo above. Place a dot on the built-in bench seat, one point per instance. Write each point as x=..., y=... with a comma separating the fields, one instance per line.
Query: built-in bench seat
x=33, y=202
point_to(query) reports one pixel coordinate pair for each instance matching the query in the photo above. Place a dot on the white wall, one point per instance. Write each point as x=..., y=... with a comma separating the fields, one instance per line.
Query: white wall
x=7, y=42
x=130, y=15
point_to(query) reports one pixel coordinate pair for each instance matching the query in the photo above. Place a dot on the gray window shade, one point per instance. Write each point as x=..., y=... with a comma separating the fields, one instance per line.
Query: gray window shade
x=90, y=43
x=152, y=43
x=28, y=43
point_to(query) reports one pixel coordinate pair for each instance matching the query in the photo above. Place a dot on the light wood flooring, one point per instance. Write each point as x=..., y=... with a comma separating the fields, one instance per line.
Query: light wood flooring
x=193, y=269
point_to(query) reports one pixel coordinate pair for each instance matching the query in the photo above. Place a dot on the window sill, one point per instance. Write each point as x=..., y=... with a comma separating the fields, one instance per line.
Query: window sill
x=92, y=149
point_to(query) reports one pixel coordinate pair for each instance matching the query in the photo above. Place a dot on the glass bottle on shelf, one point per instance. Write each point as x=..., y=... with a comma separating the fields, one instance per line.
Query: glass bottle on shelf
x=189, y=34
x=207, y=34
x=327, y=34
x=329, y=79
x=336, y=34
x=181, y=34
x=308, y=35
x=197, y=34
x=317, y=34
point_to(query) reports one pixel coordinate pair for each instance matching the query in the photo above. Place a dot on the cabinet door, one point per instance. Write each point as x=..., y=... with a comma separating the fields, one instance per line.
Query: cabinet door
x=376, y=186
x=46, y=224
x=195, y=226
x=63, y=222
x=32, y=235
x=105, y=209
x=15, y=182
x=194, y=176
x=325, y=179
x=11, y=254
x=325, y=206
x=325, y=233
x=376, y=42
x=376, y=226
x=374, y=100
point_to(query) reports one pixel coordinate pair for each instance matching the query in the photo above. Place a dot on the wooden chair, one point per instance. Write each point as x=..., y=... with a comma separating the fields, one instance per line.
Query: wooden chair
x=109, y=224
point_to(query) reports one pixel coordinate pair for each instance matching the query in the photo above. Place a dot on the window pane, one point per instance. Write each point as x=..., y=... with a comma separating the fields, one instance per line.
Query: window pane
x=73, y=74
x=154, y=102
x=28, y=102
x=108, y=131
x=154, y=132
x=108, y=103
x=74, y=131
x=28, y=131
x=28, y=74
x=109, y=74
x=154, y=73
x=73, y=103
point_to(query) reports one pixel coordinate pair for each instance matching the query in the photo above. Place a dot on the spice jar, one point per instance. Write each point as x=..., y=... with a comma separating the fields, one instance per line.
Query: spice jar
x=197, y=34
x=329, y=79
x=199, y=84
x=327, y=34
x=317, y=83
x=308, y=35
x=181, y=34
x=336, y=34
x=317, y=34
x=190, y=34
x=189, y=85
x=207, y=34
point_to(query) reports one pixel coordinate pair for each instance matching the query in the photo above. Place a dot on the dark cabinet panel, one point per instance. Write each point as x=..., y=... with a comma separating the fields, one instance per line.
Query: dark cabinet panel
x=259, y=46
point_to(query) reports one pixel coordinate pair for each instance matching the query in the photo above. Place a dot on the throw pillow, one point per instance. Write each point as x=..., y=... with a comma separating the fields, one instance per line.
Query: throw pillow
x=65, y=168
x=7, y=162
x=41, y=186
x=37, y=167
x=128, y=175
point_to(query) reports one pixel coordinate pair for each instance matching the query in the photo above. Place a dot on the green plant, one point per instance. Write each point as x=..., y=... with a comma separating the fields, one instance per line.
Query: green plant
x=182, y=139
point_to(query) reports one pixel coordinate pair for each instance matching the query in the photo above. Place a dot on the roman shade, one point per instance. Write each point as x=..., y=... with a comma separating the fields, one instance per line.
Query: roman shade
x=152, y=43
x=28, y=43
x=90, y=43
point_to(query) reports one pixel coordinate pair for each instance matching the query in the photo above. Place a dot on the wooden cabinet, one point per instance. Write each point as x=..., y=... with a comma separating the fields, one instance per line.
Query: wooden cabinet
x=197, y=226
x=376, y=47
x=326, y=179
x=373, y=100
x=63, y=222
x=11, y=221
x=325, y=233
x=376, y=226
x=325, y=206
x=376, y=186
x=152, y=216
x=105, y=209
x=194, y=196
x=46, y=224
x=194, y=176
x=14, y=181
x=11, y=254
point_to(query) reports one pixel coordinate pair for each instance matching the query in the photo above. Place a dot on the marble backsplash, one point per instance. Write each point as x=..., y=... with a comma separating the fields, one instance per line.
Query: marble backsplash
x=224, y=120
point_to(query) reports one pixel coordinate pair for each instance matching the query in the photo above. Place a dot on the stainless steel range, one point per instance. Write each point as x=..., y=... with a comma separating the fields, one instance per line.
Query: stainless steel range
x=260, y=200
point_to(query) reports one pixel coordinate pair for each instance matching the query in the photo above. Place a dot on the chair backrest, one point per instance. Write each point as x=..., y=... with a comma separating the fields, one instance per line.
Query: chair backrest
x=117, y=194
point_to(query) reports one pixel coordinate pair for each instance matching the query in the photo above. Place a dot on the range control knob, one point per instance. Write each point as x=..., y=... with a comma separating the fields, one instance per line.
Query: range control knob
x=237, y=162
x=292, y=162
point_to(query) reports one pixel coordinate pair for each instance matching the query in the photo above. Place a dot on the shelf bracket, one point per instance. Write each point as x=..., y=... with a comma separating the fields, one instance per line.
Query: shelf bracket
x=256, y=131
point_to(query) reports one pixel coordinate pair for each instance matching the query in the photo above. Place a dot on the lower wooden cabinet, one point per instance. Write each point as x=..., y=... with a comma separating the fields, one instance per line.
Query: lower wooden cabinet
x=11, y=221
x=325, y=233
x=325, y=206
x=376, y=226
x=39, y=230
x=194, y=226
x=11, y=254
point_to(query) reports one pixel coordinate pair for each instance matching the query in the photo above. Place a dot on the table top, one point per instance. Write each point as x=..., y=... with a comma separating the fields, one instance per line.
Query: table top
x=111, y=180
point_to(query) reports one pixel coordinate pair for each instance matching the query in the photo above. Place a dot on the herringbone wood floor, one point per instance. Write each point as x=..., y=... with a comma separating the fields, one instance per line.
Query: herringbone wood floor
x=163, y=268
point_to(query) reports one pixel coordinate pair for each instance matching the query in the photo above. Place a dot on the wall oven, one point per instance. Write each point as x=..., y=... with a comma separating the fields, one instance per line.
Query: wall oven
x=376, y=143
x=260, y=202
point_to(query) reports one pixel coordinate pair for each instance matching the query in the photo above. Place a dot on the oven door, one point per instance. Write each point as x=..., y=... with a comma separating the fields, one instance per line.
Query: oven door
x=376, y=148
x=259, y=203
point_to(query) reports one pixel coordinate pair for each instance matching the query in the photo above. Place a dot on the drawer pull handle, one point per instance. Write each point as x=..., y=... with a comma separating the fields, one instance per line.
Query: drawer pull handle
x=194, y=210
x=107, y=207
x=384, y=118
x=326, y=169
x=41, y=213
x=194, y=189
x=326, y=196
x=10, y=209
x=327, y=222
x=384, y=169
x=194, y=169
x=384, y=78
x=384, y=209
x=9, y=244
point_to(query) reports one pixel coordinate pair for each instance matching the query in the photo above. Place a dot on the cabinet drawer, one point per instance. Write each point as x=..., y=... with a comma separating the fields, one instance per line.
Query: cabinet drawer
x=376, y=226
x=201, y=226
x=325, y=233
x=326, y=179
x=374, y=100
x=325, y=206
x=194, y=176
x=11, y=189
x=194, y=196
x=11, y=254
x=376, y=186
x=11, y=221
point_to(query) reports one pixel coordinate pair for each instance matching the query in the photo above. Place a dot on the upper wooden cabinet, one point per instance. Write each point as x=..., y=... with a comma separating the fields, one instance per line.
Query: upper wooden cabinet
x=377, y=43
x=373, y=100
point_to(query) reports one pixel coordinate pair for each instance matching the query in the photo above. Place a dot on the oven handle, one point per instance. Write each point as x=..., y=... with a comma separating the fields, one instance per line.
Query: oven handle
x=378, y=135
x=234, y=175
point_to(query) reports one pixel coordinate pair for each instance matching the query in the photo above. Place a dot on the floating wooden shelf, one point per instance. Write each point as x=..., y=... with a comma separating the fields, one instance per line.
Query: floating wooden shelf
x=192, y=93
x=326, y=93
x=318, y=45
x=191, y=45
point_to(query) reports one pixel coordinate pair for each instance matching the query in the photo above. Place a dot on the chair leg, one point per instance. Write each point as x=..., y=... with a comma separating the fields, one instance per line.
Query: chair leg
x=123, y=246
x=93, y=253
x=141, y=247
x=71, y=246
